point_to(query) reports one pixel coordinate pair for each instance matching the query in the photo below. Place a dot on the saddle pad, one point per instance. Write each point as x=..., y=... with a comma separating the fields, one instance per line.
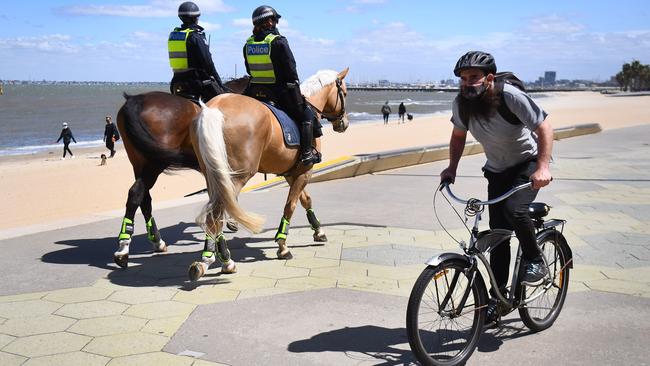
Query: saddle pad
x=290, y=129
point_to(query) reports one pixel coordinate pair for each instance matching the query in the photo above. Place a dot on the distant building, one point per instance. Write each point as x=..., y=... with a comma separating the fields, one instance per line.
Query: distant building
x=383, y=83
x=549, y=77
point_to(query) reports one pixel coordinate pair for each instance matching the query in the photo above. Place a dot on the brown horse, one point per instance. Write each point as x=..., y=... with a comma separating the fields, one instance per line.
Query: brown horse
x=235, y=137
x=155, y=128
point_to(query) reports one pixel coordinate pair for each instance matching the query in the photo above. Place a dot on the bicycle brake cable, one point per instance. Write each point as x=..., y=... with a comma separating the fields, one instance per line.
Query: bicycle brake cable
x=435, y=211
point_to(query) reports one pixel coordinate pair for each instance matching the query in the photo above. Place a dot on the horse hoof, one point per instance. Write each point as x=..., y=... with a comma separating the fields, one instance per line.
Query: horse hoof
x=284, y=254
x=229, y=267
x=196, y=271
x=121, y=260
x=320, y=238
x=232, y=226
x=159, y=247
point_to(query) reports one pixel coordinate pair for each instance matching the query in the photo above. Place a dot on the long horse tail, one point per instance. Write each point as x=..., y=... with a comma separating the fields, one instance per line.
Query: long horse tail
x=140, y=137
x=208, y=129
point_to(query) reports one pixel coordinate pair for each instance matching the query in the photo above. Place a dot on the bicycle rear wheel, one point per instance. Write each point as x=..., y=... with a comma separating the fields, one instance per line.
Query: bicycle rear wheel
x=445, y=313
x=541, y=312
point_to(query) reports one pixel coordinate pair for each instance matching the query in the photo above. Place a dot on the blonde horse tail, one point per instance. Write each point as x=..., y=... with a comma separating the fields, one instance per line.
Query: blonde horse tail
x=208, y=129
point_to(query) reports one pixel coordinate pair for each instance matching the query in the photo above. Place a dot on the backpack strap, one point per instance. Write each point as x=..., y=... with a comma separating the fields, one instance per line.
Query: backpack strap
x=503, y=109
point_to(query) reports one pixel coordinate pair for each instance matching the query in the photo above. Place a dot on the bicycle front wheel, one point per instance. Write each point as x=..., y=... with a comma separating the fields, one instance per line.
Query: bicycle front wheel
x=547, y=299
x=445, y=313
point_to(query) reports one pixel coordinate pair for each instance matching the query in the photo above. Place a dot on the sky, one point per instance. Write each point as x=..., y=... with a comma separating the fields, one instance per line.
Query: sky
x=399, y=41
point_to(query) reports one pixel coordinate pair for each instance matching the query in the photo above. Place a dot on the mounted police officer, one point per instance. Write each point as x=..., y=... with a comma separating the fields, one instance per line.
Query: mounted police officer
x=189, y=56
x=274, y=79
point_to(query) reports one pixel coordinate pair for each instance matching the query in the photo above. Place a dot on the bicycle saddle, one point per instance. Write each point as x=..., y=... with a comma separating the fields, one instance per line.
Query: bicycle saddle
x=537, y=210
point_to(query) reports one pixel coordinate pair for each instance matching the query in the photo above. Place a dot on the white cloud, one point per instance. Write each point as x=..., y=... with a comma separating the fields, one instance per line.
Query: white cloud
x=554, y=24
x=60, y=43
x=209, y=26
x=242, y=22
x=153, y=9
x=148, y=36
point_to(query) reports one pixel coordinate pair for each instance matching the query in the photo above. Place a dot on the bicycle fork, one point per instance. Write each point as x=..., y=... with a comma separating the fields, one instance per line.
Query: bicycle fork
x=457, y=309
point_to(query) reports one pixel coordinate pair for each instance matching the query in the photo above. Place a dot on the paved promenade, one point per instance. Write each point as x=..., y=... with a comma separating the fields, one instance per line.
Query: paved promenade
x=63, y=301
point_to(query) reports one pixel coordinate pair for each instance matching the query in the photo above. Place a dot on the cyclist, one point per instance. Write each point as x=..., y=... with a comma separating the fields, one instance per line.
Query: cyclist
x=516, y=154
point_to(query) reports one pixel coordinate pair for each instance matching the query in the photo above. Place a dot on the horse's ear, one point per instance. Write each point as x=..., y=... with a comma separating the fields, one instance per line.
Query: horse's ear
x=343, y=73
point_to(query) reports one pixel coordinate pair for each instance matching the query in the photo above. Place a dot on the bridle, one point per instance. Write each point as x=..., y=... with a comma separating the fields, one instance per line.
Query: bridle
x=335, y=120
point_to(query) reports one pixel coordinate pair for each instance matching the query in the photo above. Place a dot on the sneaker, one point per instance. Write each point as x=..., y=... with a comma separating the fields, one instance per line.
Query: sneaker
x=535, y=273
x=63, y=158
x=72, y=157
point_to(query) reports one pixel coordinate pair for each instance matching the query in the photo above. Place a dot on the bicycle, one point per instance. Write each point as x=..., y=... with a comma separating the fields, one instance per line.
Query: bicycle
x=448, y=303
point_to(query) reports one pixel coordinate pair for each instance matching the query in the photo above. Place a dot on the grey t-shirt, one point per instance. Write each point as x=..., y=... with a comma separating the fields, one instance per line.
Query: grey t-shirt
x=506, y=145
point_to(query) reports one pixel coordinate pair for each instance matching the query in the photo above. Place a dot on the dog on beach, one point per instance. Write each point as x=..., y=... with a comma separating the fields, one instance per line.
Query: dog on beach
x=103, y=157
x=409, y=116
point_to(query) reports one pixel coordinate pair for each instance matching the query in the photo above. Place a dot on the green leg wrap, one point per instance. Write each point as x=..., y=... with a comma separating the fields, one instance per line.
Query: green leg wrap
x=218, y=247
x=152, y=230
x=127, y=229
x=209, y=247
x=313, y=221
x=223, y=253
x=283, y=230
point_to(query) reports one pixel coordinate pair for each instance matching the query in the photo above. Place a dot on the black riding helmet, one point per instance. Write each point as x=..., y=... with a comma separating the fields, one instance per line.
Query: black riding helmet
x=264, y=12
x=477, y=60
x=188, y=12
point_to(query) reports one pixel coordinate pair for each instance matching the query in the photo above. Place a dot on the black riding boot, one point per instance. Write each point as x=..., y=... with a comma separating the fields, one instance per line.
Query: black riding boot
x=308, y=155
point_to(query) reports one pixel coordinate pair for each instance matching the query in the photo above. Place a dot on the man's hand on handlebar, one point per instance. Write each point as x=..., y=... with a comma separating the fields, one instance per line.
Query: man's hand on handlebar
x=448, y=176
x=541, y=178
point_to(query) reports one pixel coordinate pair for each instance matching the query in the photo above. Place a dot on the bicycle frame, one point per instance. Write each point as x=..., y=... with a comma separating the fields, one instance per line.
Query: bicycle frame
x=489, y=240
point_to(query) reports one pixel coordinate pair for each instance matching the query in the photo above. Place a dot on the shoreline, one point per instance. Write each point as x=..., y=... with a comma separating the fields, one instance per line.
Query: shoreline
x=41, y=188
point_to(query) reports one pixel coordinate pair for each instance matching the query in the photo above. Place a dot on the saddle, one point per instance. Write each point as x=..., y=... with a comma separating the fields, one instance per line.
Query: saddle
x=290, y=130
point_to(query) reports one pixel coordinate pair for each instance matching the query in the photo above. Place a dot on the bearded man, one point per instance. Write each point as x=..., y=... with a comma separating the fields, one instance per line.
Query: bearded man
x=516, y=153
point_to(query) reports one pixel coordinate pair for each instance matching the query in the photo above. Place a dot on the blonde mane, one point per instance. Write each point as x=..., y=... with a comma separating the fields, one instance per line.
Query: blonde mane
x=317, y=82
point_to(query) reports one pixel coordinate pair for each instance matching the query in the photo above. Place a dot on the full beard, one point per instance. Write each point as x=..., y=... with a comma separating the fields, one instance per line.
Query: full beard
x=482, y=107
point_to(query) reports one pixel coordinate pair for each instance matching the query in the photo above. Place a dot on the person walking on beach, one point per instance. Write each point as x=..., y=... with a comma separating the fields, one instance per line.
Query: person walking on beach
x=401, y=110
x=66, y=135
x=274, y=78
x=516, y=153
x=385, y=110
x=189, y=56
x=111, y=134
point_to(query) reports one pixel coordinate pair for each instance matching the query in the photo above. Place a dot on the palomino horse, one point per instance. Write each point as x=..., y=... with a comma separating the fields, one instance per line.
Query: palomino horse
x=235, y=137
x=155, y=131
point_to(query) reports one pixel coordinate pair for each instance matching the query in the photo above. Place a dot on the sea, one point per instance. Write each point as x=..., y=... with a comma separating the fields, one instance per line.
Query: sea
x=31, y=115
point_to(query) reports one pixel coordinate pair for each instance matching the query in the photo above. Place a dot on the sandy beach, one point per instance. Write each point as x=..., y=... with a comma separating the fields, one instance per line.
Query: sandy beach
x=42, y=188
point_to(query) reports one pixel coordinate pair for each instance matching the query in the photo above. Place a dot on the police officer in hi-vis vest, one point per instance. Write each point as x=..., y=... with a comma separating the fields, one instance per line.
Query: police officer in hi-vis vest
x=189, y=56
x=274, y=78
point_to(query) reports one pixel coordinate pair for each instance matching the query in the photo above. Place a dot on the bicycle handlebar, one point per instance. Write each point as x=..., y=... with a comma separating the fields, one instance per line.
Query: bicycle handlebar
x=488, y=202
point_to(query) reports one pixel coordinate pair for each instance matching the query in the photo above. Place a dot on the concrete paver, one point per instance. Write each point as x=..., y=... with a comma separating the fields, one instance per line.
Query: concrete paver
x=21, y=327
x=47, y=344
x=103, y=326
x=69, y=359
x=126, y=344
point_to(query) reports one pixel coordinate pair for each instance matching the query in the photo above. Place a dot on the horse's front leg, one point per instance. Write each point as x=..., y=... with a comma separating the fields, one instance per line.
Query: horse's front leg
x=319, y=233
x=136, y=195
x=296, y=186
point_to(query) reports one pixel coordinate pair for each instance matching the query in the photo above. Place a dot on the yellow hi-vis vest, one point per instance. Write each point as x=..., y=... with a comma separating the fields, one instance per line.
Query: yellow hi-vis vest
x=177, y=47
x=258, y=56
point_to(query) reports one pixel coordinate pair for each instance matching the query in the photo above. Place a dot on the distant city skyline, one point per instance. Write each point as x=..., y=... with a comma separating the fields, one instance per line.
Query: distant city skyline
x=405, y=41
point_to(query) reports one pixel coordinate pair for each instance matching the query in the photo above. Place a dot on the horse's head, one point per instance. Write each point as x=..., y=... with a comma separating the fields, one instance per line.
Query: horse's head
x=329, y=100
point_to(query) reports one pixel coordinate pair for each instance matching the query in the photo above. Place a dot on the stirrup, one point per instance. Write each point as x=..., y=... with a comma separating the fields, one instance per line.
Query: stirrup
x=312, y=157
